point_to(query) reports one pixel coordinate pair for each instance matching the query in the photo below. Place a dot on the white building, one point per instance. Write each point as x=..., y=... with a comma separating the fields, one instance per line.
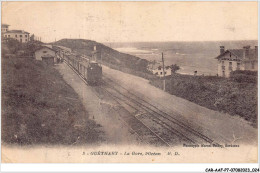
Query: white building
x=4, y=28
x=157, y=69
x=43, y=52
x=19, y=35
x=237, y=59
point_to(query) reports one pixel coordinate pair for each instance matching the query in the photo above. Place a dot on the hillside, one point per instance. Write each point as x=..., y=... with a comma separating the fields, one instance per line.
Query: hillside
x=39, y=107
x=109, y=55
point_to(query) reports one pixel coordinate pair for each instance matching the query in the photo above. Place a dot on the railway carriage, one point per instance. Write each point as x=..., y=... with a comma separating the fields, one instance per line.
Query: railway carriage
x=90, y=70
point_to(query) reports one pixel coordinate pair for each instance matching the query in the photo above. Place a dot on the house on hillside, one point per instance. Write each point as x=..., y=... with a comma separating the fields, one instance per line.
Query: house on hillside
x=4, y=28
x=157, y=69
x=237, y=59
x=20, y=35
x=45, y=51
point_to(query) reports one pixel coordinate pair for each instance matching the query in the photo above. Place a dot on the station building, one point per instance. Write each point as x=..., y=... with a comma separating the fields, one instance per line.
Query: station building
x=43, y=52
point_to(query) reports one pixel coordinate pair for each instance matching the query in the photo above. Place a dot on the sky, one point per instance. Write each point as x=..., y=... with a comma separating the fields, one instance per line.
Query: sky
x=134, y=21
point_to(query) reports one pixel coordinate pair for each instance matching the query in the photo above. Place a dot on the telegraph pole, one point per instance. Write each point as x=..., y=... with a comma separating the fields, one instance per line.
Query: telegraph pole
x=163, y=73
x=100, y=57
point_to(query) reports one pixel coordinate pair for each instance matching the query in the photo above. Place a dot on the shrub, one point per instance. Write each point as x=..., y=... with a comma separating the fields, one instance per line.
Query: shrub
x=244, y=76
x=217, y=93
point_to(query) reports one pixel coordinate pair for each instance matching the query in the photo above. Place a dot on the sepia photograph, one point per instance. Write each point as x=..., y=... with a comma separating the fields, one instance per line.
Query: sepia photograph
x=129, y=82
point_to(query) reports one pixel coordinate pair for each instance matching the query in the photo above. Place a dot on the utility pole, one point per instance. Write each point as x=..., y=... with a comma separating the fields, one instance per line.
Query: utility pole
x=163, y=73
x=100, y=57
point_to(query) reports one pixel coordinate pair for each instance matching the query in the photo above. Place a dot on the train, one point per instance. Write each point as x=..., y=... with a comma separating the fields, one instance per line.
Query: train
x=91, y=71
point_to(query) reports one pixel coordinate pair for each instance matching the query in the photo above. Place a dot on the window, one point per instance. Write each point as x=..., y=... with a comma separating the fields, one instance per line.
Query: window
x=25, y=35
x=161, y=73
x=5, y=35
x=238, y=65
x=223, y=73
x=222, y=62
x=252, y=64
x=21, y=35
x=25, y=39
x=21, y=40
x=45, y=51
x=230, y=66
x=16, y=36
x=165, y=72
x=8, y=35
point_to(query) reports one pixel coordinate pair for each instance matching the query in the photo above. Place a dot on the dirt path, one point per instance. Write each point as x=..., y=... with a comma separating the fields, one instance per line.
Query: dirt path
x=116, y=131
x=221, y=127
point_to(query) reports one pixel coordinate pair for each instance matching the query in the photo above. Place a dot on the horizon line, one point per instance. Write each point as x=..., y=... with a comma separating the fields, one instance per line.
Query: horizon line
x=152, y=41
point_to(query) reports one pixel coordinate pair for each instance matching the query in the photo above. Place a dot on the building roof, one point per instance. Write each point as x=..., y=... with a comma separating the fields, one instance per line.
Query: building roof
x=62, y=47
x=239, y=53
x=5, y=24
x=41, y=47
x=18, y=31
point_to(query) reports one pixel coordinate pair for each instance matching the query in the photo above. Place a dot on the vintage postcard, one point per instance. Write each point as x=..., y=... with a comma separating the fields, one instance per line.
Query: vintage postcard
x=129, y=82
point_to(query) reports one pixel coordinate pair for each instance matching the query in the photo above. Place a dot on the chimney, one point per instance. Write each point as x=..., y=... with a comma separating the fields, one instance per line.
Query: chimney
x=246, y=51
x=256, y=51
x=222, y=49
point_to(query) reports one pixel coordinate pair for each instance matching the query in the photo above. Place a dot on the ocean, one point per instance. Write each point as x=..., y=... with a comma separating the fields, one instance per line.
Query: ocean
x=190, y=56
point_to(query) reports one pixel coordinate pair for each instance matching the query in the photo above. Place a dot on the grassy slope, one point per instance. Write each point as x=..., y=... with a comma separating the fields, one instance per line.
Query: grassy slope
x=235, y=98
x=38, y=107
x=108, y=55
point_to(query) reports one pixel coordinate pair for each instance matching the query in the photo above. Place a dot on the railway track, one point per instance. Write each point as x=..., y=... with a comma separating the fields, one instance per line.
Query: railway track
x=166, y=133
x=158, y=114
x=148, y=122
x=143, y=132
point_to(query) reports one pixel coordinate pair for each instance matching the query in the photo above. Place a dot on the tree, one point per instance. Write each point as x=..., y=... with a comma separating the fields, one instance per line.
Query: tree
x=174, y=68
x=13, y=45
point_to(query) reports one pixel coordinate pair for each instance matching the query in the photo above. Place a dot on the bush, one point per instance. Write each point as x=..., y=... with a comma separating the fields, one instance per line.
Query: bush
x=244, y=76
x=217, y=93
